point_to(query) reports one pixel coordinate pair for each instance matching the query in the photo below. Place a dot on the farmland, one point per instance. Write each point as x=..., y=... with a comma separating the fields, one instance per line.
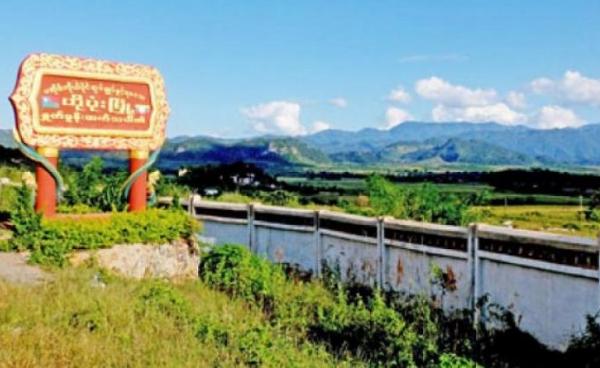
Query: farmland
x=533, y=211
x=353, y=186
x=551, y=218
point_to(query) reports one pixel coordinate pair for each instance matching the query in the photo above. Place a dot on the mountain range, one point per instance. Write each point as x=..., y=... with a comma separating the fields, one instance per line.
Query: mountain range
x=409, y=143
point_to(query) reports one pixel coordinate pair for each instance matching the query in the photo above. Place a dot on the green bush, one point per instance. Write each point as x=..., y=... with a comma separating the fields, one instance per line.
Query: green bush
x=374, y=332
x=7, y=198
x=453, y=361
x=235, y=270
x=584, y=349
x=279, y=197
x=371, y=331
x=93, y=189
x=26, y=222
x=50, y=240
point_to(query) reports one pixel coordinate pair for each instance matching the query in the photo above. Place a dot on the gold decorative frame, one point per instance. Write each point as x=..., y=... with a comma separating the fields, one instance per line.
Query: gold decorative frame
x=24, y=101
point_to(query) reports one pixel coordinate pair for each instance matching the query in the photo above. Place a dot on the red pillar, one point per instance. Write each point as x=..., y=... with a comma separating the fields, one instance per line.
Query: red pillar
x=45, y=199
x=137, y=194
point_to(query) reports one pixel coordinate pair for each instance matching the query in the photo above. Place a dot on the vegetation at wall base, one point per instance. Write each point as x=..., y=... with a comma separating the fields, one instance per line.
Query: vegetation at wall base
x=370, y=331
x=51, y=240
x=385, y=329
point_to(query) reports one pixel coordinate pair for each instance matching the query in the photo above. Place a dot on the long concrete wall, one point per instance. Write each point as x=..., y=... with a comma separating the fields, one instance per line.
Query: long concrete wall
x=549, y=282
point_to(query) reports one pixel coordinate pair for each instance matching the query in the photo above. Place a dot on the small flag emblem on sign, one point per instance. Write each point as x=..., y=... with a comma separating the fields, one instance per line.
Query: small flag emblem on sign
x=49, y=102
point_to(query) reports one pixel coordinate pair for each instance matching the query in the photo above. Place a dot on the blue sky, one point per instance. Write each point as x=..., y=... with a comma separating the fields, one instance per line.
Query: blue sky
x=242, y=68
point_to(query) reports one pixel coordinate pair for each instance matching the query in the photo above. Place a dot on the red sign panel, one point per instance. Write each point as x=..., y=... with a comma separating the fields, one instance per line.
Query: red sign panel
x=66, y=102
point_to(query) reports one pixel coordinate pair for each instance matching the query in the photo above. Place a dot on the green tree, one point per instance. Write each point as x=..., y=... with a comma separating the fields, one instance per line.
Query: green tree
x=385, y=197
x=421, y=203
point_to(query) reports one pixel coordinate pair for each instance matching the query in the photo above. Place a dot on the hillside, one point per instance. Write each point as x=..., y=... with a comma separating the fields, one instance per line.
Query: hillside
x=455, y=150
x=495, y=144
x=334, y=141
x=271, y=152
x=579, y=146
x=414, y=143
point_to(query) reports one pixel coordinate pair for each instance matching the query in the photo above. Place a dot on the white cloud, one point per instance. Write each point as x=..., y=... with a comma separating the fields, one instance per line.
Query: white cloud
x=399, y=95
x=276, y=117
x=339, y=102
x=516, y=100
x=319, y=126
x=579, y=88
x=498, y=112
x=554, y=117
x=440, y=91
x=541, y=85
x=395, y=116
x=573, y=87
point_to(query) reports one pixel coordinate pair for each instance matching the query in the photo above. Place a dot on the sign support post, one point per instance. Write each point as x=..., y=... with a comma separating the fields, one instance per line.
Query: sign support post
x=45, y=200
x=137, y=194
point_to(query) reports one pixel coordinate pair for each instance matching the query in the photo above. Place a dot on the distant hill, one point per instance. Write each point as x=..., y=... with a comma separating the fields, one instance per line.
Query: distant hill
x=334, y=141
x=570, y=146
x=6, y=139
x=470, y=151
x=577, y=146
x=408, y=143
x=270, y=152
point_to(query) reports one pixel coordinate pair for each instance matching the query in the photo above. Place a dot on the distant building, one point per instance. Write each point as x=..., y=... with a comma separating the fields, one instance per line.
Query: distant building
x=211, y=192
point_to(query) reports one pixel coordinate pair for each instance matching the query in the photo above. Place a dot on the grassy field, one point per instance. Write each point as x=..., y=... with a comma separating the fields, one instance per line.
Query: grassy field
x=354, y=186
x=78, y=321
x=557, y=219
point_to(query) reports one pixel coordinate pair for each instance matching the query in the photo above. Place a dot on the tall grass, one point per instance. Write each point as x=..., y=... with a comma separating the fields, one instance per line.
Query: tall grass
x=86, y=318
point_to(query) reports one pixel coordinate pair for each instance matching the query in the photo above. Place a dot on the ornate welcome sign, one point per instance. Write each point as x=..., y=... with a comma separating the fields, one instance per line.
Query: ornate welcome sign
x=64, y=102
x=69, y=102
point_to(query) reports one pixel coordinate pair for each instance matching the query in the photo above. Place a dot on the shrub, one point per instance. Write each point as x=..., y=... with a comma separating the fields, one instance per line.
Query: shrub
x=235, y=270
x=168, y=187
x=374, y=332
x=584, y=350
x=369, y=330
x=7, y=198
x=26, y=222
x=93, y=189
x=453, y=361
x=279, y=198
x=50, y=240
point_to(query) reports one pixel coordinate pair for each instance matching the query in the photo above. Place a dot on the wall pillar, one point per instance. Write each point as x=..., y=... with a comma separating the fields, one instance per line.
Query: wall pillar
x=473, y=261
x=138, y=191
x=45, y=199
x=318, y=250
x=251, y=229
x=381, y=261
